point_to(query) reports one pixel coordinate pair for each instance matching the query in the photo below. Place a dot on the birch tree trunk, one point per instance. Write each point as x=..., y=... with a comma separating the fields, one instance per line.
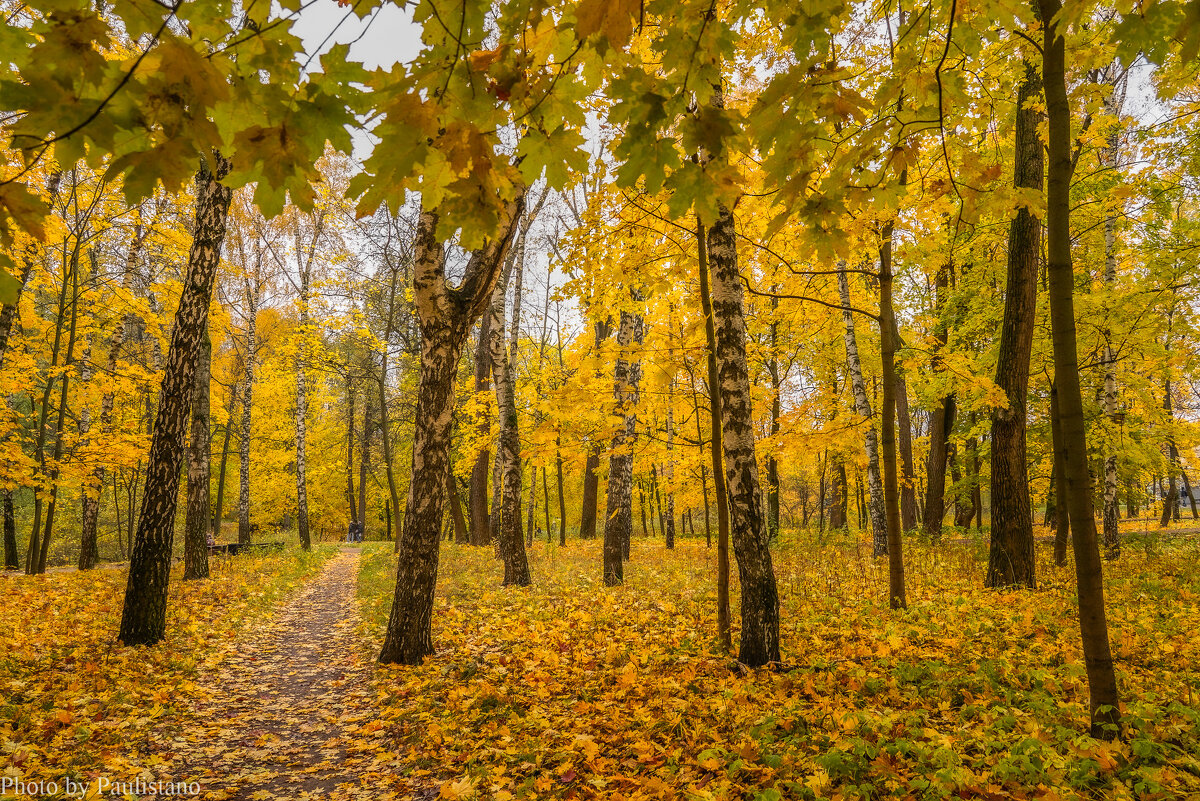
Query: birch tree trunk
x=724, y=625
x=618, y=516
x=908, y=487
x=510, y=537
x=481, y=530
x=747, y=525
x=143, y=618
x=195, y=529
x=1102, y=680
x=446, y=315
x=1010, y=555
x=1112, y=514
x=862, y=404
x=247, y=408
x=219, y=509
x=302, y=410
x=669, y=530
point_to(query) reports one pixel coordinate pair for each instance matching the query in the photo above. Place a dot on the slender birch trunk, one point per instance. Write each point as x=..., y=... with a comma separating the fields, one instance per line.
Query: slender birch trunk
x=618, y=516
x=195, y=529
x=862, y=405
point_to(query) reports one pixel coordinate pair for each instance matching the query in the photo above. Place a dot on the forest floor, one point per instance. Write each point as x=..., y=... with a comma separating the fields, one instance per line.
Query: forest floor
x=266, y=686
x=571, y=690
x=290, y=714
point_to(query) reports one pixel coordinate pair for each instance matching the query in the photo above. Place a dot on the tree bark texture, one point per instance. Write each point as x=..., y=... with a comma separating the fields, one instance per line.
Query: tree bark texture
x=446, y=315
x=618, y=516
x=888, y=336
x=862, y=404
x=747, y=527
x=195, y=528
x=143, y=618
x=1010, y=555
x=247, y=408
x=481, y=531
x=1102, y=680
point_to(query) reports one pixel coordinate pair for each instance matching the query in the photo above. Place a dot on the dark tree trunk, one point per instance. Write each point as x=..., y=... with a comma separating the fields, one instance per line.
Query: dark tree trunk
x=351, y=497
x=446, y=315
x=1171, y=500
x=219, y=510
x=591, y=481
x=195, y=529
x=908, y=485
x=481, y=530
x=724, y=624
x=562, y=498
x=364, y=463
x=747, y=528
x=618, y=516
x=1062, y=518
x=941, y=422
x=244, y=529
x=143, y=619
x=456, y=510
x=1010, y=556
x=891, y=492
x=12, y=559
x=1102, y=680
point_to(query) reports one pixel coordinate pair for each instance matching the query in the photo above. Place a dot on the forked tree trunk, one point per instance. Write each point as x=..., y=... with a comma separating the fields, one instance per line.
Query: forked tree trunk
x=1010, y=555
x=195, y=529
x=143, y=618
x=618, y=516
x=747, y=526
x=1102, y=680
x=862, y=404
x=446, y=315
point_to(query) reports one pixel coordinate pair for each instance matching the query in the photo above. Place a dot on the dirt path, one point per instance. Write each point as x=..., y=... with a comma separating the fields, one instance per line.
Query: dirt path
x=291, y=713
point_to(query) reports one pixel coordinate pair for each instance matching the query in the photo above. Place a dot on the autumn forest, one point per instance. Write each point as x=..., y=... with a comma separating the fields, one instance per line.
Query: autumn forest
x=604, y=399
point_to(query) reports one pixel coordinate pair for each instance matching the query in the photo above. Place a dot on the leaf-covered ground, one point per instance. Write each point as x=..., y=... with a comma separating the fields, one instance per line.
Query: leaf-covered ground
x=76, y=704
x=573, y=690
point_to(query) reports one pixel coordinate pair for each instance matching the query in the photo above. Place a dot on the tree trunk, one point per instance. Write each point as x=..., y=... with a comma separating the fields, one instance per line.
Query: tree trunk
x=1102, y=680
x=562, y=499
x=618, y=516
x=456, y=510
x=941, y=422
x=862, y=404
x=669, y=534
x=1171, y=501
x=888, y=336
x=143, y=619
x=724, y=624
x=247, y=408
x=195, y=529
x=219, y=510
x=385, y=426
x=908, y=480
x=760, y=597
x=510, y=538
x=481, y=531
x=12, y=559
x=1062, y=518
x=302, y=415
x=1010, y=555
x=591, y=480
x=446, y=316
x=364, y=464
